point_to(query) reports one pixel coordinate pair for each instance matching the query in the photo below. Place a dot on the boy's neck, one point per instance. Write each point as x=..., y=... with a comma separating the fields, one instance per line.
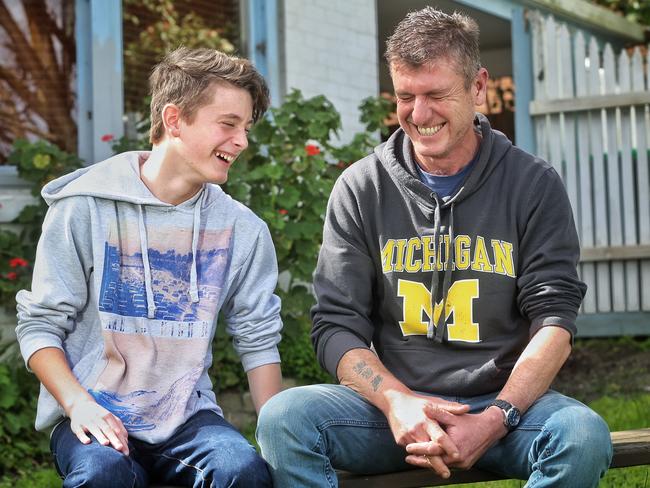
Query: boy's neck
x=159, y=174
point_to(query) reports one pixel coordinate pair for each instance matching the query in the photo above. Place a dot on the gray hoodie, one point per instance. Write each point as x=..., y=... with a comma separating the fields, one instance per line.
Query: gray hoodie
x=130, y=287
x=448, y=292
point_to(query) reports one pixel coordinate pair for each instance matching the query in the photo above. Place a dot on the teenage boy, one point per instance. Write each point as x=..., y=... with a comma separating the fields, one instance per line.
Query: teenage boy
x=138, y=255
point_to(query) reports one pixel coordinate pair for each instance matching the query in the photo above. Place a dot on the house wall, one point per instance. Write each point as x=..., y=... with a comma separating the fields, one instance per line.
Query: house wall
x=330, y=48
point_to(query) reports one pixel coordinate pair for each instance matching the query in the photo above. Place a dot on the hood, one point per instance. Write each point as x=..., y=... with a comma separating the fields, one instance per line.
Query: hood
x=396, y=155
x=118, y=179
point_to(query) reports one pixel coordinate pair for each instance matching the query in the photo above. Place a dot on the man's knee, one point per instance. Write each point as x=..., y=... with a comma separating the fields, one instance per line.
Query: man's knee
x=285, y=412
x=582, y=432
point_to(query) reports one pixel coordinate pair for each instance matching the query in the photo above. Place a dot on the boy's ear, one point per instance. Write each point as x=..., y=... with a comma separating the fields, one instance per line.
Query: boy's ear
x=171, y=116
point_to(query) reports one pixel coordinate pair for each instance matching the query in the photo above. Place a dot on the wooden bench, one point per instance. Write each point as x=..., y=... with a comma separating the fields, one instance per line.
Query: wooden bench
x=631, y=448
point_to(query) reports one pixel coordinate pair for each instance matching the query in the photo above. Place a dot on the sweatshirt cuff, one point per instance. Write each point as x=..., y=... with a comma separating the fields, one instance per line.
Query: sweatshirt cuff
x=251, y=360
x=567, y=324
x=336, y=346
x=30, y=346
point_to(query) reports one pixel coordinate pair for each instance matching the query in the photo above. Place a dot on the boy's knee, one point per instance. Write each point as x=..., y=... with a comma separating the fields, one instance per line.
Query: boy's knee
x=111, y=470
x=246, y=469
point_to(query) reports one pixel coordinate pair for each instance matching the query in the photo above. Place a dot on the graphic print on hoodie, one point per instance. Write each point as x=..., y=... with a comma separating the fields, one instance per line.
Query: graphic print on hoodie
x=176, y=340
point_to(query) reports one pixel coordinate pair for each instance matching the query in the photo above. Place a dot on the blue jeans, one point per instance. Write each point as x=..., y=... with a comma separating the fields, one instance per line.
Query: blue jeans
x=206, y=451
x=306, y=433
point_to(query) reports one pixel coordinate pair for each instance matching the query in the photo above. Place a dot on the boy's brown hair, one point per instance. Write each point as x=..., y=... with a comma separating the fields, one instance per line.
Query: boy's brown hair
x=185, y=75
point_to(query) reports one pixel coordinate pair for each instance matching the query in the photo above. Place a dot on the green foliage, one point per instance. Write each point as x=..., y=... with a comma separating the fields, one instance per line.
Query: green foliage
x=39, y=163
x=374, y=111
x=634, y=10
x=21, y=447
x=171, y=30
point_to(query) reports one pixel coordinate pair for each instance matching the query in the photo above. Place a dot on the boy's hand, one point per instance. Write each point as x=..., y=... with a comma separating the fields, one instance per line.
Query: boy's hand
x=88, y=417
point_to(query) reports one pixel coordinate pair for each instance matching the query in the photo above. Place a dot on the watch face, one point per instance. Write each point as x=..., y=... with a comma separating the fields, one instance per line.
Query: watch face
x=512, y=417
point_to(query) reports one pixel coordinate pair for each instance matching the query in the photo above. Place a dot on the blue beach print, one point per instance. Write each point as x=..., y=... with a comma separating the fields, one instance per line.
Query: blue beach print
x=153, y=365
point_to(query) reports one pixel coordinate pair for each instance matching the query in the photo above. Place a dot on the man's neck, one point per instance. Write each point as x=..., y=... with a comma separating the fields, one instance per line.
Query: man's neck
x=450, y=164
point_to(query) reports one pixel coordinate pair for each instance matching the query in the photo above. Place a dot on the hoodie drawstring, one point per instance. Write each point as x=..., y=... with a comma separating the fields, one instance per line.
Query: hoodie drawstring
x=144, y=249
x=194, y=286
x=441, y=327
x=434, y=277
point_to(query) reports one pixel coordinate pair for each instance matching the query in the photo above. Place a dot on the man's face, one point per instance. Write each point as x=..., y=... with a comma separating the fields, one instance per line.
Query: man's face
x=436, y=110
x=209, y=144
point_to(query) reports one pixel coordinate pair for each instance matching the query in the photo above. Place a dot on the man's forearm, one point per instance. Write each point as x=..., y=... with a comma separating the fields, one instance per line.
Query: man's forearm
x=537, y=367
x=362, y=371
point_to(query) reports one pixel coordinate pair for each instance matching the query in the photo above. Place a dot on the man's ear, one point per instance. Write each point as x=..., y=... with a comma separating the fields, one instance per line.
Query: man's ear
x=171, y=116
x=479, y=87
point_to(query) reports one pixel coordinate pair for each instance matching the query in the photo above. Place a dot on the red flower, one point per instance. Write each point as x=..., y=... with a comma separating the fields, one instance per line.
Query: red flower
x=17, y=262
x=12, y=275
x=283, y=211
x=312, y=150
x=107, y=137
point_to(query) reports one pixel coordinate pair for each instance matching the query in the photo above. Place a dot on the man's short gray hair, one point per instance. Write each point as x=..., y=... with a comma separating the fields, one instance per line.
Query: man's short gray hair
x=428, y=35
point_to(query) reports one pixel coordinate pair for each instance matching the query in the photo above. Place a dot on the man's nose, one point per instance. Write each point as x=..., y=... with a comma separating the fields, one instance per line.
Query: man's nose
x=421, y=111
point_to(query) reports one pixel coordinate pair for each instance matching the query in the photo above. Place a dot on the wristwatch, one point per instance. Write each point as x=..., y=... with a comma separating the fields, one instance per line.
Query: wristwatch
x=511, y=415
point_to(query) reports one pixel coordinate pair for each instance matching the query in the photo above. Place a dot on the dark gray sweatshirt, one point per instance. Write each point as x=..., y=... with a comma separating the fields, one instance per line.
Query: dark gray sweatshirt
x=448, y=293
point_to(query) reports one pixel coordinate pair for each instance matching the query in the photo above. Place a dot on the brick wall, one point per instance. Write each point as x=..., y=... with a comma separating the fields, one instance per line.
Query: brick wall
x=330, y=48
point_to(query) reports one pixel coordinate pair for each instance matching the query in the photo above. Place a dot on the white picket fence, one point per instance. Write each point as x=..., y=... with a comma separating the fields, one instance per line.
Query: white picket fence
x=592, y=122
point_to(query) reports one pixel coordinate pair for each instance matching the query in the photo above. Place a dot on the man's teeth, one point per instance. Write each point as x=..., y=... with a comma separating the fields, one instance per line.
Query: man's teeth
x=429, y=131
x=227, y=157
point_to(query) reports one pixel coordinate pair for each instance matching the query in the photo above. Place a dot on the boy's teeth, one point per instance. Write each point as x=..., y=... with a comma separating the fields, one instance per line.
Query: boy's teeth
x=429, y=131
x=228, y=158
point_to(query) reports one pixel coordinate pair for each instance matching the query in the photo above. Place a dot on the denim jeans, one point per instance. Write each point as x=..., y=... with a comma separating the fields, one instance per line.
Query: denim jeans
x=206, y=451
x=306, y=433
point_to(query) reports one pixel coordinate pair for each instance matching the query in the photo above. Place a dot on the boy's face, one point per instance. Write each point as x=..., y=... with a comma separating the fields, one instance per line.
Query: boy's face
x=209, y=145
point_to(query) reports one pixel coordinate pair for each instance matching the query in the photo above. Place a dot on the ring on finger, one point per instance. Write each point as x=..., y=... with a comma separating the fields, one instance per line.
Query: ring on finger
x=428, y=458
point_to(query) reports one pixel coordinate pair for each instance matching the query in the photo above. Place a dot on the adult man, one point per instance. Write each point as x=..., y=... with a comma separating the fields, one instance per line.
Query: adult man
x=455, y=254
x=138, y=255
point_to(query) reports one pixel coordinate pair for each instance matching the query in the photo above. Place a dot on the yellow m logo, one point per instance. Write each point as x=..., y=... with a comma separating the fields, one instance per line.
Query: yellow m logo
x=417, y=299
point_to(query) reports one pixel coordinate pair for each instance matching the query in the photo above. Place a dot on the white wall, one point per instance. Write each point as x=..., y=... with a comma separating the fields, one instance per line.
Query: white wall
x=330, y=48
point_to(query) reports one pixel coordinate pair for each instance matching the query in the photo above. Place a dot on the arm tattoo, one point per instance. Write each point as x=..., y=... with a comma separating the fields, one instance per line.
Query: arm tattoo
x=363, y=370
